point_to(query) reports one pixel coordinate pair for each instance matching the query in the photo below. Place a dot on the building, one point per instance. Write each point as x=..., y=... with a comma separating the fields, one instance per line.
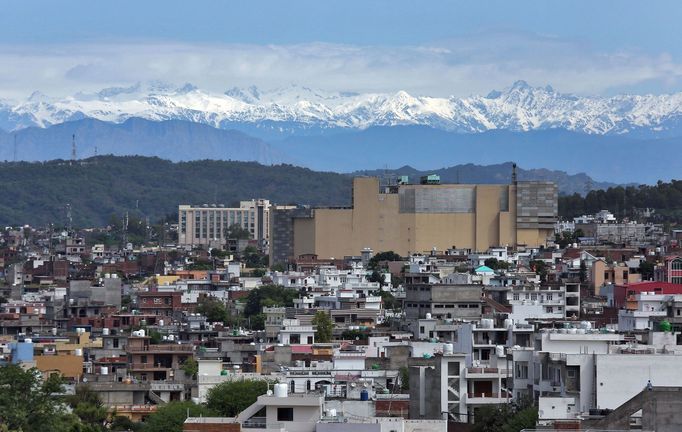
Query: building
x=409, y=218
x=208, y=225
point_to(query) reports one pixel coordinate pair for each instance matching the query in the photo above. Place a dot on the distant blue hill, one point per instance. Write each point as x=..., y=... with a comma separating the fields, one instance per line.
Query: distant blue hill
x=605, y=157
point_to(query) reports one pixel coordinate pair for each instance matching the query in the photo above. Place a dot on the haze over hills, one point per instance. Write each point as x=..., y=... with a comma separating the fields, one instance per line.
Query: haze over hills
x=170, y=139
x=498, y=174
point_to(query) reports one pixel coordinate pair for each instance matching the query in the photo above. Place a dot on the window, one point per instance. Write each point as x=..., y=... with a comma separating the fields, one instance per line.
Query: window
x=285, y=414
x=143, y=359
x=515, y=296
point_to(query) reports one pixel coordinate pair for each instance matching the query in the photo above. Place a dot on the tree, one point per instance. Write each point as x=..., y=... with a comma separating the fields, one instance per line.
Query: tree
x=88, y=407
x=512, y=417
x=236, y=232
x=377, y=277
x=190, y=367
x=27, y=403
x=212, y=308
x=540, y=268
x=232, y=397
x=171, y=416
x=123, y=424
x=155, y=337
x=389, y=300
x=383, y=256
x=268, y=296
x=495, y=264
x=323, y=327
x=583, y=271
x=646, y=269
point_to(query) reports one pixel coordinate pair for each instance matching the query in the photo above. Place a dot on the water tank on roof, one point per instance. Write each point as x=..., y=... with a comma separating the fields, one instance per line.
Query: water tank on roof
x=428, y=315
x=161, y=323
x=499, y=350
x=78, y=352
x=364, y=395
x=448, y=348
x=105, y=332
x=104, y=370
x=281, y=390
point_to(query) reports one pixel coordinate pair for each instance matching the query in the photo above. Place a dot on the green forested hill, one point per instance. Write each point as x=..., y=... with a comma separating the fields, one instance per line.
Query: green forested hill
x=97, y=188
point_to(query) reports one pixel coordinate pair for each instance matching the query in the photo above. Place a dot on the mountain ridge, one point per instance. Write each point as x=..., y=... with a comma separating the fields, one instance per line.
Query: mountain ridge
x=299, y=109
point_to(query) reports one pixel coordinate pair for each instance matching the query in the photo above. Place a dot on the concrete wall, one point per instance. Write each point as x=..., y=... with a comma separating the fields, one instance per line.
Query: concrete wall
x=468, y=216
x=622, y=376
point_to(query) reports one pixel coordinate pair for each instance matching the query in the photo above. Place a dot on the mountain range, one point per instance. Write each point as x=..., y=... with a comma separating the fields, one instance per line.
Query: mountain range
x=619, y=139
x=297, y=109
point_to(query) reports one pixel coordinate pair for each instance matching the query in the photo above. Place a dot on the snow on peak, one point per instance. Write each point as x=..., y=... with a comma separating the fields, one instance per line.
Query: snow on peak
x=520, y=107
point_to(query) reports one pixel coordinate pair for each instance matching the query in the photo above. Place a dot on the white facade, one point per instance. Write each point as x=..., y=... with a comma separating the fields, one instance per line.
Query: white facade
x=205, y=225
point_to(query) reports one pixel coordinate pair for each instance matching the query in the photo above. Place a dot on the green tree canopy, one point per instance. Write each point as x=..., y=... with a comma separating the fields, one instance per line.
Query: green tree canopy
x=171, y=416
x=323, y=327
x=646, y=269
x=232, y=397
x=28, y=404
x=268, y=296
x=383, y=256
x=212, y=308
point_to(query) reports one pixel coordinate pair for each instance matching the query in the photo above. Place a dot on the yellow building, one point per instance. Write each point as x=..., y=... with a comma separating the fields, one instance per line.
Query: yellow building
x=407, y=218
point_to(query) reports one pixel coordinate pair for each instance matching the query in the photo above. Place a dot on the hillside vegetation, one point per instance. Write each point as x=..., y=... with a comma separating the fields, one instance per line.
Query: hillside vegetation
x=97, y=188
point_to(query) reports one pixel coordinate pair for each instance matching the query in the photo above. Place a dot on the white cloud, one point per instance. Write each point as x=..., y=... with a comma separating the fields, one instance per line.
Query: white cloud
x=459, y=67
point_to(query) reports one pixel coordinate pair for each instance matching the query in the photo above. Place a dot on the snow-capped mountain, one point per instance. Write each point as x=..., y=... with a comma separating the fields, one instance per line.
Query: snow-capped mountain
x=517, y=108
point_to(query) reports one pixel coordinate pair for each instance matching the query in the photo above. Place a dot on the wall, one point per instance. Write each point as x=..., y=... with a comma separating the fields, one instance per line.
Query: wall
x=68, y=365
x=622, y=376
x=415, y=219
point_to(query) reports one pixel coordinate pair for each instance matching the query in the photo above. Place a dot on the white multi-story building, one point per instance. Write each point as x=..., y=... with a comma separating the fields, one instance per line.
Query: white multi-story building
x=650, y=305
x=537, y=302
x=208, y=225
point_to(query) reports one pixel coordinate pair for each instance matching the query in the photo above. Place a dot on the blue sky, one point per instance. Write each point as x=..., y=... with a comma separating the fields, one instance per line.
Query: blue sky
x=427, y=47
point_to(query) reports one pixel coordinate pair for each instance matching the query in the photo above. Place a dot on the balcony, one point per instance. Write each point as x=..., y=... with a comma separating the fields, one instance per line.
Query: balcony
x=485, y=399
x=486, y=372
x=165, y=348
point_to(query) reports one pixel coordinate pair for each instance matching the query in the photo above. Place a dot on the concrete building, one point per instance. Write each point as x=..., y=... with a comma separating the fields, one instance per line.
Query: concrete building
x=409, y=218
x=208, y=225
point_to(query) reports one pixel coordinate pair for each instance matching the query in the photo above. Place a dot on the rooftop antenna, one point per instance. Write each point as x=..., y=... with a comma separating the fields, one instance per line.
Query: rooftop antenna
x=513, y=179
x=73, y=148
x=95, y=151
x=15, y=147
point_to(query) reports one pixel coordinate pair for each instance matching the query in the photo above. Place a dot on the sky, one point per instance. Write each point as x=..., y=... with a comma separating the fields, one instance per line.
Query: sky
x=435, y=48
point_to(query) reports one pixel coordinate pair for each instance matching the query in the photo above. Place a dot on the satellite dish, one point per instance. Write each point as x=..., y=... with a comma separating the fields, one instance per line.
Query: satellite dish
x=85, y=380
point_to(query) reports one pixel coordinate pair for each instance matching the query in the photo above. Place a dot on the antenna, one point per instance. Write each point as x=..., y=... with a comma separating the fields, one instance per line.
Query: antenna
x=73, y=148
x=95, y=151
x=513, y=179
x=15, y=147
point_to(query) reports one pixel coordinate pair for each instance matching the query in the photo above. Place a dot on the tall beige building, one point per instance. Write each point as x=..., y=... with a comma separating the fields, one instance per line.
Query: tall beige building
x=208, y=224
x=408, y=218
